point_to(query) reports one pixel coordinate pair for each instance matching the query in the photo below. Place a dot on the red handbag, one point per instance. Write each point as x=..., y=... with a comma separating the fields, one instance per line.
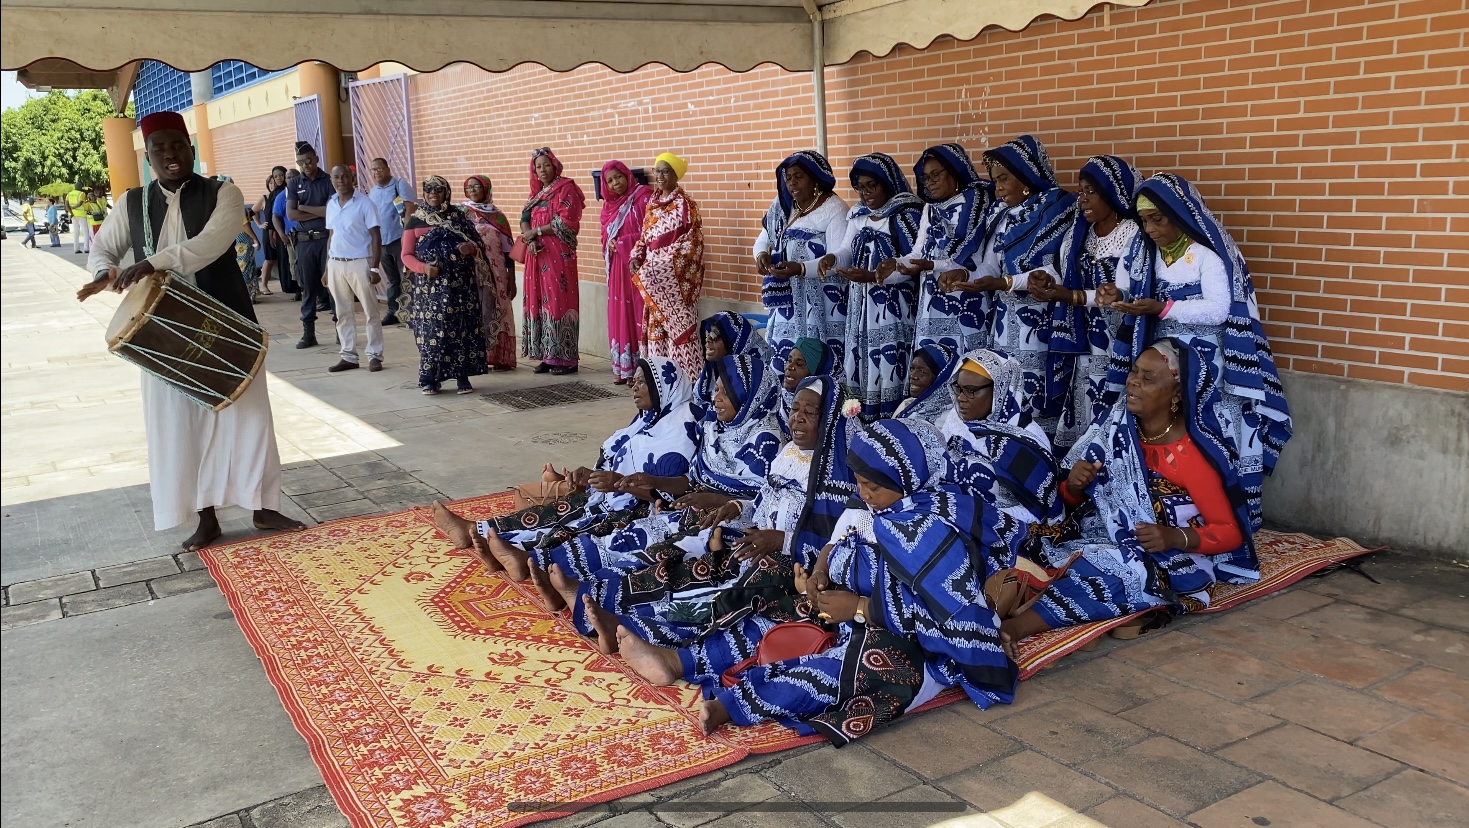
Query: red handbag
x=782, y=643
x=518, y=250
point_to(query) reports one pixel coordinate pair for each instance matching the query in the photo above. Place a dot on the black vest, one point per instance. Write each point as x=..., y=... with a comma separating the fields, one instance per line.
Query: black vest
x=221, y=278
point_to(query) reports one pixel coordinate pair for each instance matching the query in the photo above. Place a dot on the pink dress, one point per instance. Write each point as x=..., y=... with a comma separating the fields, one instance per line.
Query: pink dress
x=622, y=223
x=551, y=330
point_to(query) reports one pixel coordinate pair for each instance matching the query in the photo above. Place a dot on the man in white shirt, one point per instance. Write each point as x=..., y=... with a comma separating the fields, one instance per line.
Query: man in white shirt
x=354, y=249
x=197, y=458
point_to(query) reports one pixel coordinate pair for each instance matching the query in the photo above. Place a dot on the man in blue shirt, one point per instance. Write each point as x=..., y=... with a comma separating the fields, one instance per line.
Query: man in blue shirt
x=306, y=200
x=394, y=200
x=285, y=263
x=53, y=221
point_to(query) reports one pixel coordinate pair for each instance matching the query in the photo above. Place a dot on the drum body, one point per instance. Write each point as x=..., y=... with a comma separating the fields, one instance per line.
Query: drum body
x=187, y=338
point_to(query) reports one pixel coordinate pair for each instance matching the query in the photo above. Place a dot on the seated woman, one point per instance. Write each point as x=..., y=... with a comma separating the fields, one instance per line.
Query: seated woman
x=809, y=358
x=659, y=441
x=998, y=450
x=724, y=334
x=1154, y=502
x=930, y=393
x=744, y=581
x=902, y=581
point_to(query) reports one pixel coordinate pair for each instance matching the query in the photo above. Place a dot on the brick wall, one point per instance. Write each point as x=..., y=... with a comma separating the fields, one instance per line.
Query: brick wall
x=1329, y=135
x=246, y=150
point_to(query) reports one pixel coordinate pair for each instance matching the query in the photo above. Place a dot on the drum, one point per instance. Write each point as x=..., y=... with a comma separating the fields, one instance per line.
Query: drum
x=187, y=338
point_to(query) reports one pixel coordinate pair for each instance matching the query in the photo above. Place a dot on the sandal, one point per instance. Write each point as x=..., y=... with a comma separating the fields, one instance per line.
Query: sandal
x=1011, y=592
x=468, y=389
x=429, y=390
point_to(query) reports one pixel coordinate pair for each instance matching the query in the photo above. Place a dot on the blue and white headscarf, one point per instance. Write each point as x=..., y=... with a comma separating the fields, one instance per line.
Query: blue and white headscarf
x=1120, y=491
x=734, y=457
x=939, y=397
x=655, y=439
x=932, y=558
x=776, y=292
x=902, y=211
x=831, y=483
x=1249, y=364
x=740, y=338
x=1074, y=328
x=955, y=234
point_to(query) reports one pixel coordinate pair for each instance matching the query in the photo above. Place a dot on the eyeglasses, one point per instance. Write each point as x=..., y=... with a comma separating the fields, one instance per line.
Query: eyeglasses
x=434, y=189
x=1085, y=190
x=968, y=391
x=934, y=177
x=870, y=187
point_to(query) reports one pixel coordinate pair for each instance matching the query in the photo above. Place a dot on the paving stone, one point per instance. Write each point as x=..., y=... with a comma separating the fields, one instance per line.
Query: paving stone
x=1199, y=719
x=1349, y=586
x=1437, y=691
x=181, y=583
x=756, y=819
x=1072, y=731
x=1161, y=648
x=1428, y=743
x=1305, y=760
x=1351, y=664
x=351, y=508
x=189, y=561
x=34, y=612
x=1001, y=783
x=316, y=480
x=355, y=458
x=852, y=774
x=311, y=808
x=1030, y=694
x=362, y=471
x=1110, y=684
x=745, y=789
x=314, y=500
x=1261, y=637
x=576, y=820
x=1288, y=605
x=1172, y=774
x=226, y=821
x=1440, y=611
x=1331, y=709
x=458, y=416
x=939, y=742
x=1271, y=803
x=1412, y=799
x=1438, y=646
x=1126, y=812
x=105, y=599
x=420, y=412
x=1228, y=673
x=53, y=587
x=378, y=481
x=130, y=573
x=923, y=798
x=1359, y=624
x=414, y=492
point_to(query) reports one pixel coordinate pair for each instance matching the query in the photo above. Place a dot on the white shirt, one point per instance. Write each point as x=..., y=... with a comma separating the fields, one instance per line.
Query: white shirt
x=350, y=224
x=113, y=244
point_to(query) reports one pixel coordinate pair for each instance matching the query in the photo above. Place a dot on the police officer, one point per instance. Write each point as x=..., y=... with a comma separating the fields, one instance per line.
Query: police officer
x=306, y=200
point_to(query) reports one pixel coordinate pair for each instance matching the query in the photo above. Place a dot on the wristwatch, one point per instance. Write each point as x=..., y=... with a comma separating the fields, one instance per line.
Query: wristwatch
x=859, y=616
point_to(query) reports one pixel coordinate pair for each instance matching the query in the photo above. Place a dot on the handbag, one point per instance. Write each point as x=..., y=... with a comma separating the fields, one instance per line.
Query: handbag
x=529, y=495
x=783, y=642
x=519, y=251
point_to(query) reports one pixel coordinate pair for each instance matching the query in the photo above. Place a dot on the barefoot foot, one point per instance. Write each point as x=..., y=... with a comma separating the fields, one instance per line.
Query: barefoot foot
x=482, y=552
x=208, y=532
x=564, y=584
x=549, y=596
x=712, y=716
x=655, y=664
x=516, y=562
x=605, y=623
x=271, y=520
x=550, y=475
x=459, y=531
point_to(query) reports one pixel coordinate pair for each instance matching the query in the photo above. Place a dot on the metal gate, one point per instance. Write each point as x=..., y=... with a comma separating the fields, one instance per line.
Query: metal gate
x=308, y=128
x=381, y=127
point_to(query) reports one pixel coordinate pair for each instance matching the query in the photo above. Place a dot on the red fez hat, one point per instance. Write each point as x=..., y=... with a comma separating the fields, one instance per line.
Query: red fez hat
x=162, y=120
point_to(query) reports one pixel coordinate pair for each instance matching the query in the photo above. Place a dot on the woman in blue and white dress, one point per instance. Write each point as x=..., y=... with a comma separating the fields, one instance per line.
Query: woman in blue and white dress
x=806, y=221
x=949, y=238
x=1187, y=279
x=879, y=315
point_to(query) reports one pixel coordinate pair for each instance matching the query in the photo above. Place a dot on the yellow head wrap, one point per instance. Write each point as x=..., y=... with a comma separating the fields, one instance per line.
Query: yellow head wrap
x=1144, y=203
x=974, y=367
x=678, y=165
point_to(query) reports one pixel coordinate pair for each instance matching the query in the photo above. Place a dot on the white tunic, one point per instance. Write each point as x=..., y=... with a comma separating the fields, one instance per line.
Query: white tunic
x=197, y=458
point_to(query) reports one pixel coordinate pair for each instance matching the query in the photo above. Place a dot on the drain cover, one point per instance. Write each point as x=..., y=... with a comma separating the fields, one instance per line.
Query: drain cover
x=558, y=438
x=546, y=396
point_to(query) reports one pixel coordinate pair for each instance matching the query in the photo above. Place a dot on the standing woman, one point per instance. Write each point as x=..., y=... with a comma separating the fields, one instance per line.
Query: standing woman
x=668, y=263
x=623, y=204
x=440, y=245
x=949, y=238
x=1082, y=331
x=495, y=272
x=270, y=241
x=879, y=340
x=805, y=221
x=549, y=223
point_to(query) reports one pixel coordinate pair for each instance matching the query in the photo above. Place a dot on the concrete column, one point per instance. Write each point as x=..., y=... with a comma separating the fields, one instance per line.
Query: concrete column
x=204, y=139
x=323, y=81
x=122, y=160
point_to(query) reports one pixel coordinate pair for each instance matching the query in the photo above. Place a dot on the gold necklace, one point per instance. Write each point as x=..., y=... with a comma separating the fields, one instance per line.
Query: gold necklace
x=1154, y=439
x=801, y=211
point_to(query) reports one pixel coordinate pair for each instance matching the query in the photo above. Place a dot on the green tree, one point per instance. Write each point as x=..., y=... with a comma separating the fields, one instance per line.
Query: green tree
x=54, y=138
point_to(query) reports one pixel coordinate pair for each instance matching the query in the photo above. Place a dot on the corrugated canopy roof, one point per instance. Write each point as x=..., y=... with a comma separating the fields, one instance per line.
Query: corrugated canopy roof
x=84, y=41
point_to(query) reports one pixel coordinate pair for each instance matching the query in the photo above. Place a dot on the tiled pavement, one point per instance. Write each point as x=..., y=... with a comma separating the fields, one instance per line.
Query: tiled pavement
x=1339, y=702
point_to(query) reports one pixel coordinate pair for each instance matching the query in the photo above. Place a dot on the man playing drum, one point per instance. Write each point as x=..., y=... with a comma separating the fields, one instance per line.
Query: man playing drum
x=197, y=459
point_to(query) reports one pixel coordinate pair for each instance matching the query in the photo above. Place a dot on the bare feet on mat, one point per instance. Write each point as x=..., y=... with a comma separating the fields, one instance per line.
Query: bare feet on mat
x=655, y=664
x=549, y=596
x=605, y=623
x=712, y=716
x=207, y=533
x=482, y=552
x=516, y=562
x=459, y=531
x=564, y=584
x=269, y=520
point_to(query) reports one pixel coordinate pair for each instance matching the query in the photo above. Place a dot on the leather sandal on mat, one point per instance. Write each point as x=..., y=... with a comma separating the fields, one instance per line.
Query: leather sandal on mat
x=1142, y=625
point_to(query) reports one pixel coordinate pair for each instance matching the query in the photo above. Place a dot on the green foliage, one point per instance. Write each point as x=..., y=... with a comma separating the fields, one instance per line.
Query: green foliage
x=54, y=139
x=55, y=189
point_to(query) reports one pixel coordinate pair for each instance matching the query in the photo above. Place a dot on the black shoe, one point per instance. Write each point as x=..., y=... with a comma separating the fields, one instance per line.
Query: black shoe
x=374, y=365
x=296, y=295
x=562, y=370
x=390, y=320
x=543, y=368
x=342, y=365
x=308, y=340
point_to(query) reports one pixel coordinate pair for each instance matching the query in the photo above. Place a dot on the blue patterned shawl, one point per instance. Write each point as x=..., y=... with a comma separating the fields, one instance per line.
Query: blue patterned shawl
x=775, y=292
x=740, y=338
x=1120, y=491
x=1249, y=364
x=939, y=397
x=955, y=235
x=902, y=212
x=654, y=440
x=931, y=566
x=734, y=457
x=831, y=484
x=1075, y=328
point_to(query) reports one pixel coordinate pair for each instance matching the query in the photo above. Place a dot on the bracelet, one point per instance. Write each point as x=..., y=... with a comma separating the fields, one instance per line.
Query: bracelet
x=1009, y=283
x=1078, y=297
x=1184, y=532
